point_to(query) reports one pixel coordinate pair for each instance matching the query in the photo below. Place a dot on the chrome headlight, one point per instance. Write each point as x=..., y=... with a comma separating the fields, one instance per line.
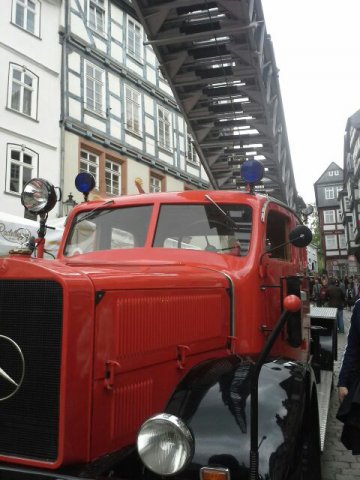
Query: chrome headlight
x=165, y=444
x=38, y=196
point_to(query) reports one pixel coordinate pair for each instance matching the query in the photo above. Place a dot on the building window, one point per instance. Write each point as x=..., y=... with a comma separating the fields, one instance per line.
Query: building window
x=351, y=231
x=133, y=100
x=97, y=16
x=156, y=183
x=106, y=167
x=330, y=242
x=339, y=215
x=23, y=90
x=336, y=173
x=329, y=193
x=26, y=14
x=112, y=177
x=329, y=216
x=22, y=166
x=191, y=154
x=338, y=190
x=89, y=162
x=342, y=241
x=331, y=173
x=164, y=128
x=134, y=39
x=94, y=89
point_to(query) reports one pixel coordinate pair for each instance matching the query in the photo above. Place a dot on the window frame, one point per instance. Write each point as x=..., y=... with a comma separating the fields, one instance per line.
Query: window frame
x=113, y=172
x=91, y=78
x=342, y=241
x=329, y=213
x=134, y=45
x=329, y=193
x=191, y=154
x=37, y=16
x=339, y=215
x=22, y=149
x=333, y=237
x=104, y=154
x=351, y=231
x=160, y=179
x=34, y=88
x=166, y=126
x=135, y=107
x=104, y=10
x=88, y=162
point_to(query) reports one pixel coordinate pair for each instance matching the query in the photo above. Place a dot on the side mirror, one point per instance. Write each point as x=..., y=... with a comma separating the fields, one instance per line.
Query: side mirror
x=300, y=236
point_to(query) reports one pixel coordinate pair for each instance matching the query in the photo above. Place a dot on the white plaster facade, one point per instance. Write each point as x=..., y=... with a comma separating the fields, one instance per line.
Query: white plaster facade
x=30, y=62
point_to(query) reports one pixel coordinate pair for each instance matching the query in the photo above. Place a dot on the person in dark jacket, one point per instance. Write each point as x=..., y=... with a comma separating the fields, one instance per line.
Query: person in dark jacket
x=350, y=295
x=336, y=299
x=349, y=386
x=349, y=415
x=350, y=368
x=316, y=292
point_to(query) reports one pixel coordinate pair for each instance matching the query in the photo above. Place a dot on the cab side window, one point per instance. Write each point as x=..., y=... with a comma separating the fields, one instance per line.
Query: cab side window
x=277, y=234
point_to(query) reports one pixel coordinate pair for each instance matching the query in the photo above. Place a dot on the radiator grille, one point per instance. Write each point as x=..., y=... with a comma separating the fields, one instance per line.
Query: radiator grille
x=31, y=315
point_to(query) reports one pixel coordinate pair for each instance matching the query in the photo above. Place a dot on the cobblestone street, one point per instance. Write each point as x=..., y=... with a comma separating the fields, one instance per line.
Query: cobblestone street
x=337, y=462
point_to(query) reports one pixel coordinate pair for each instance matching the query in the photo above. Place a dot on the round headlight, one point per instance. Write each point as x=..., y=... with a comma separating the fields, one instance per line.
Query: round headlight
x=165, y=444
x=38, y=196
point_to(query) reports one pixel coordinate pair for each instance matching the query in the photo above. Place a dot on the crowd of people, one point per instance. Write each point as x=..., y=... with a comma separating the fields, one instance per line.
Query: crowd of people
x=340, y=293
x=319, y=287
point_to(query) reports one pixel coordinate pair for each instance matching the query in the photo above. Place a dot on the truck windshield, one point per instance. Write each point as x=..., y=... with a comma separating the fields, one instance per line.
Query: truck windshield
x=205, y=227
x=108, y=229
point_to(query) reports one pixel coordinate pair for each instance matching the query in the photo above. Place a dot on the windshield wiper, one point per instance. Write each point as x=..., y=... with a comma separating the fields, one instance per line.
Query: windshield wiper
x=93, y=213
x=225, y=214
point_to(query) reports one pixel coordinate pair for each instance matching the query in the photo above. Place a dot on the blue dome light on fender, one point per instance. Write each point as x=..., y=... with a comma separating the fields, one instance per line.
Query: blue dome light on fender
x=252, y=171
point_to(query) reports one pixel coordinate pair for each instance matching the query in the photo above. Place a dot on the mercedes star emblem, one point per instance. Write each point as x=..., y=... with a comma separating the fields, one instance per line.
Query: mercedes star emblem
x=12, y=370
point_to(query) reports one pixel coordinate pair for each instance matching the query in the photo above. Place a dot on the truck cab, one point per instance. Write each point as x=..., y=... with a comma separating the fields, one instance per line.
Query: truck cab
x=158, y=303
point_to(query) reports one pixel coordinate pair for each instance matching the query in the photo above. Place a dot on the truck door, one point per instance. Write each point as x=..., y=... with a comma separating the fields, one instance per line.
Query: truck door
x=277, y=263
x=281, y=269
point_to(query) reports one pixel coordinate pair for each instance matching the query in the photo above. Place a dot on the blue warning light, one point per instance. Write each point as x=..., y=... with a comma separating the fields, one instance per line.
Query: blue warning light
x=252, y=171
x=84, y=182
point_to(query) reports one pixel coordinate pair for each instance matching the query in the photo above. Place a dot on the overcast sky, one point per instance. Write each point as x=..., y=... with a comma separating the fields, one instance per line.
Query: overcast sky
x=317, y=50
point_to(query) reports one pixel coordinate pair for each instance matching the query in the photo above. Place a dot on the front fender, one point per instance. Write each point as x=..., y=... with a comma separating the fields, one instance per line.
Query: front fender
x=214, y=400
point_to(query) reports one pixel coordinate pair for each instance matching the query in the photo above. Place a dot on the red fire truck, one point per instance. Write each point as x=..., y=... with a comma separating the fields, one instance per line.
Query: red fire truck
x=170, y=337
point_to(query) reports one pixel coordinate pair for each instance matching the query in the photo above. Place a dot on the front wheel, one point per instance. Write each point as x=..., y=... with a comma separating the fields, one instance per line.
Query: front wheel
x=309, y=459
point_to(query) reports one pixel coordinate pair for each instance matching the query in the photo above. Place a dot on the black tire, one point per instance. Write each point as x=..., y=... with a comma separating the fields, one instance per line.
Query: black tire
x=309, y=459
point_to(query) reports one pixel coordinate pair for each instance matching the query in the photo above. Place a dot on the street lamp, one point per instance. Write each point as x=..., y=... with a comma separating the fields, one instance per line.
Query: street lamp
x=69, y=204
